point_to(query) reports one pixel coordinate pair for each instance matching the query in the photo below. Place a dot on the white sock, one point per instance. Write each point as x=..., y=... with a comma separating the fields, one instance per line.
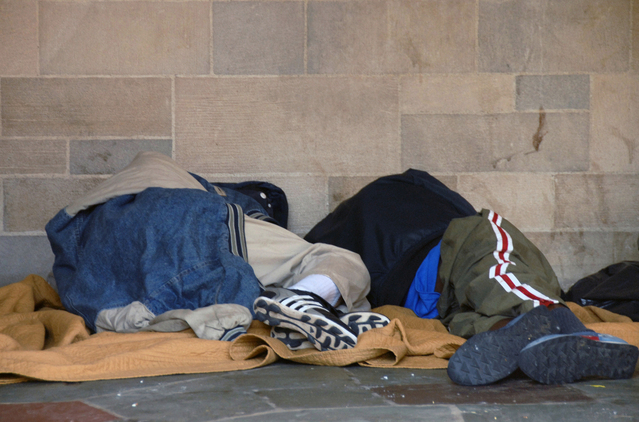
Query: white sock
x=321, y=285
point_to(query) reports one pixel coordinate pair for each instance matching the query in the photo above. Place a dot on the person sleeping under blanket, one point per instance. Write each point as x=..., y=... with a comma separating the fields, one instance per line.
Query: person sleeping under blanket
x=427, y=249
x=155, y=247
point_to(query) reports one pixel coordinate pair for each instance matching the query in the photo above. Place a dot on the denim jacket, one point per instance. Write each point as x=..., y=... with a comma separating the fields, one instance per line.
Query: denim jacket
x=137, y=238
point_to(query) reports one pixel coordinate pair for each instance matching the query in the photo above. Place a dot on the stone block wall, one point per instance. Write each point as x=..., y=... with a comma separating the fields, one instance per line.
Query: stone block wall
x=528, y=107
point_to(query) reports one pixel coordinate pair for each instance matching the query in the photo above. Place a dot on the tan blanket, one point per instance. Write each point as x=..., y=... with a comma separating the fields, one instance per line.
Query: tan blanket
x=40, y=340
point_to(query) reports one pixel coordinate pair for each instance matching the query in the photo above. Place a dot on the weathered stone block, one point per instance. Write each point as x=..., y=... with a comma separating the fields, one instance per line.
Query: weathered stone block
x=524, y=199
x=33, y=156
x=463, y=94
x=110, y=156
x=307, y=200
x=18, y=37
x=635, y=36
x=86, y=107
x=625, y=246
x=509, y=35
x=553, y=92
x=397, y=36
x=29, y=204
x=554, y=36
x=521, y=142
x=253, y=38
x=574, y=255
x=596, y=201
x=287, y=124
x=24, y=255
x=615, y=133
x=586, y=35
x=124, y=38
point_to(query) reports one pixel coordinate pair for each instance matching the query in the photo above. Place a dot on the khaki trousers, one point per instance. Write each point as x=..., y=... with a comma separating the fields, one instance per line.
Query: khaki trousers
x=281, y=258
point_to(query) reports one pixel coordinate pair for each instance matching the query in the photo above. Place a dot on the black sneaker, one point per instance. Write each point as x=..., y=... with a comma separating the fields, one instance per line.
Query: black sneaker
x=358, y=322
x=493, y=355
x=306, y=313
x=562, y=358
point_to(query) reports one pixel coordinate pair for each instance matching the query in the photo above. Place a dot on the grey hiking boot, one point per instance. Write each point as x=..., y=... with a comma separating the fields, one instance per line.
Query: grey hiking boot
x=493, y=355
x=563, y=358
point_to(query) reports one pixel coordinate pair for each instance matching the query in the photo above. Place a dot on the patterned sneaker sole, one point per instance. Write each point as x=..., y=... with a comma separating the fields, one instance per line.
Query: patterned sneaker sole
x=322, y=332
x=294, y=340
x=565, y=359
x=358, y=322
x=493, y=355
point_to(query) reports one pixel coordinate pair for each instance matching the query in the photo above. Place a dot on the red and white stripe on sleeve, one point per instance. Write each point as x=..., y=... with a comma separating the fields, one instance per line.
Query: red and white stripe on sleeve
x=499, y=271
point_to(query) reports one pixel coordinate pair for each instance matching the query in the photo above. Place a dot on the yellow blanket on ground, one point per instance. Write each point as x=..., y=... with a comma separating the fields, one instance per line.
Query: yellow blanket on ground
x=40, y=340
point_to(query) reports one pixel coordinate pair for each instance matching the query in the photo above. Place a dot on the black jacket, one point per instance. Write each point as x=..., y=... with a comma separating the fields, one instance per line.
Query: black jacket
x=392, y=223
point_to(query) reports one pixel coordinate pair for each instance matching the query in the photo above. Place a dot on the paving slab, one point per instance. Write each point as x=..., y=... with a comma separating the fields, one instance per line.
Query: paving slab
x=287, y=391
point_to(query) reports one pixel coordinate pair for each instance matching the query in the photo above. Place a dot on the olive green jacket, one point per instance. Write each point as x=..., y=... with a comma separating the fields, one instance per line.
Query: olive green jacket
x=490, y=271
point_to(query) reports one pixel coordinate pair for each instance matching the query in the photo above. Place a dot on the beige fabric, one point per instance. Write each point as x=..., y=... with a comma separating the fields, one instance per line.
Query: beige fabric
x=127, y=319
x=210, y=322
x=38, y=340
x=148, y=169
x=281, y=258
